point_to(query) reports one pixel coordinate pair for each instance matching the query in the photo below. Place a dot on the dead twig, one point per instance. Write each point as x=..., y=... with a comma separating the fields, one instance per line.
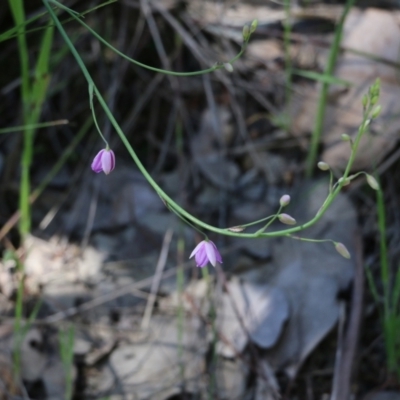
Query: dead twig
x=162, y=260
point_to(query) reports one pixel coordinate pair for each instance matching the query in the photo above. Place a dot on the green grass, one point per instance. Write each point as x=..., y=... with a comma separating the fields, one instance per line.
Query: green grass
x=323, y=95
x=33, y=94
x=388, y=300
x=66, y=339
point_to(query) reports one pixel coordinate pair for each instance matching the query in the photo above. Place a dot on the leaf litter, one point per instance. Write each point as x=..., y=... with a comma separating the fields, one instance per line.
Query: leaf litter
x=281, y=296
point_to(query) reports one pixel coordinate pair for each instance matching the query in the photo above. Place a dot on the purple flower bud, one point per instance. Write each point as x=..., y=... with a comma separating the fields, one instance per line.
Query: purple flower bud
x=285, y=200
x=286, y=219
x=342, y=250
x=205, y=252
x=104, y=161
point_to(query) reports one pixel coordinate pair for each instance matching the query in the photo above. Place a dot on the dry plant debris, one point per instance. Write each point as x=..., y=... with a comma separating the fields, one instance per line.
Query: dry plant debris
x=93, y=255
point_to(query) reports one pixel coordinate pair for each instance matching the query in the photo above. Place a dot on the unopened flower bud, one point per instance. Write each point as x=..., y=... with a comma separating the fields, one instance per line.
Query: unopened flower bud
x=286, y=219
x=345, y=182
x=346, y=137
x=365, y=101
x=374, y=91
x=376, y=111
x=284, y=200
x=323, y=166
x=253, y=26
x=246, y=33
x=228, y=67
x=372, y=182
x=342, y=250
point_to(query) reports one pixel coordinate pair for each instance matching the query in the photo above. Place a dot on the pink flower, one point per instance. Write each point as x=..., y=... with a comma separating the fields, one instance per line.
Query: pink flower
x=104, y=161
x=205, y=252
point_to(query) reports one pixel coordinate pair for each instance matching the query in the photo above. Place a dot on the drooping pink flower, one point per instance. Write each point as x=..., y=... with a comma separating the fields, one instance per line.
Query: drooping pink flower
x=104, y=161
x=206, y=251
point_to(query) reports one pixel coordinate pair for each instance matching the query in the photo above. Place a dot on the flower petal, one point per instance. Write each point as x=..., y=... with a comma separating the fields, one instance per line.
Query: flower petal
x=210, y=253
x=217, y=253
x=97, y=164
x=197, y=248
x=201, y=258
x=112, y=160
x=106, y=162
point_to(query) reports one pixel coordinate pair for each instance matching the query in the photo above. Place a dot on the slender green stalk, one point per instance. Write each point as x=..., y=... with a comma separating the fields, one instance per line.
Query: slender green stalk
x=66, y=339
x=173, y=205
x=383, y=247
x=287, y=28
x=316, y=76
x=180, y=275
x=180, y=283
x=213, y=316
x=18, y=13
x=94, y=114
x=163, y=71
x=13, y=32
x=303, y=239
x=33, y=95
x=269, y=223
x=32, y=107
x=18, y=335
x=323, y=96
x=390, y=334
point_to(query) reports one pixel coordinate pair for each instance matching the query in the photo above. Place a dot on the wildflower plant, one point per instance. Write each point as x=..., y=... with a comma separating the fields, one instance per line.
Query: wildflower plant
x=206, y=251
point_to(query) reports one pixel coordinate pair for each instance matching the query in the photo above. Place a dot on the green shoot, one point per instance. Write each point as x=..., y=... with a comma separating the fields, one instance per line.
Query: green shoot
x=323, y=96
x=66, y=338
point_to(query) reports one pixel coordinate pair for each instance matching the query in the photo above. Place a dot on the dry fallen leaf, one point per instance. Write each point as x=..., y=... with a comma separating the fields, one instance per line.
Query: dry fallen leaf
x=208, y=144
x=263, y=310
x=150, y=367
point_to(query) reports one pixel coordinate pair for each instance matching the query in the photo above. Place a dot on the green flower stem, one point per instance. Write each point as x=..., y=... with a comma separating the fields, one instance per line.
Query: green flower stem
x=390, y=336
x=173, y=73
x=17, y=10
x=286, y=44
x=323, y=96
x=330, y=180
x=258, y=221
x=94, y=115
x=13, y=32
x=274, y=217
x=311, y=240
x=183, y=213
